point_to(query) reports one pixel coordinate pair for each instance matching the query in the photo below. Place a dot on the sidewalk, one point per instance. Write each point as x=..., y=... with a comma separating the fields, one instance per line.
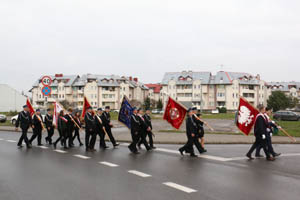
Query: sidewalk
x=122, y=134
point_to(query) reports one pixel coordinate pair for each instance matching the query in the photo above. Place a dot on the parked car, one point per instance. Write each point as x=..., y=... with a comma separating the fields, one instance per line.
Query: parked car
x=2, y=118
x=157, y=111
x=286, y=116
x=14, y=119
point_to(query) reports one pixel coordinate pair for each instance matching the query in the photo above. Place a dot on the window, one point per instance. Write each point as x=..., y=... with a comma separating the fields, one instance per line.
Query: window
x=195, y=86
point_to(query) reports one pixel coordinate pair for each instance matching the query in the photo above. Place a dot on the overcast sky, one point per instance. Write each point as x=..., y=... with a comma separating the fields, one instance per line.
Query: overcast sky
x=146, y=38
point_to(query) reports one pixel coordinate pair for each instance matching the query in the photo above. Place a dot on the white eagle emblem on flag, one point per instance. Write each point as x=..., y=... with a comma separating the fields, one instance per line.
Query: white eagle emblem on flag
x=245, y=116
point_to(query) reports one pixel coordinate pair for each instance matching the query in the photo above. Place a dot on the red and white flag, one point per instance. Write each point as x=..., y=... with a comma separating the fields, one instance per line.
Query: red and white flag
x=174, y=113
x=86, y=104
x=246, y=116
x=31, y=110
x=57, y=109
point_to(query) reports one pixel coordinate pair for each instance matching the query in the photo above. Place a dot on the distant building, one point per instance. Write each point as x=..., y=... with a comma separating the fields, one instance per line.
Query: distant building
x=11, y=99
x=208, y=92
x=154, y=91
x=289, y=88
x=100, y=90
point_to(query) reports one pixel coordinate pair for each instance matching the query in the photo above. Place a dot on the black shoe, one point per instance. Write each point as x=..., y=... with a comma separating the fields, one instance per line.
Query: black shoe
x=193, y=155
x=54, y=145
x=29, y=146
x=87, y=150
x=47, y=141
x=106, y=147
x=181, y=152
x=149, y=149
x=153, y=147
x=65, y=147
x=276, y=154
x=249, y=156
x=80, y=144
x=139, y=146
x=259, y=156
x=40, y=145
x=117, y=144
x=271, y=159
x=20, y=146
x=136, y=152
x=204, y=150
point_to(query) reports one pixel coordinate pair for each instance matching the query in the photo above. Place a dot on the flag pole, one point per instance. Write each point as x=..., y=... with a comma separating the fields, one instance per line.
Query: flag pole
x=286, y=133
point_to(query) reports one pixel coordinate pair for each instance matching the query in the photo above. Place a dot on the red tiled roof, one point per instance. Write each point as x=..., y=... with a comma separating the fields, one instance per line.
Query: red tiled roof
x=156, y=87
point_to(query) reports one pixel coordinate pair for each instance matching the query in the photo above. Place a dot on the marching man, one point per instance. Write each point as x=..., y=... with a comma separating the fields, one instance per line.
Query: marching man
x=37, y=127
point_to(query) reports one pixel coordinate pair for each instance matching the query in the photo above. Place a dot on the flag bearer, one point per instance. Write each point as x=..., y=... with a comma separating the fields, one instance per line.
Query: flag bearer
x=49, y=126
x=70, y=127
x=77, y=129
x=191, y=131
x=62, y=130
x=24, y=121
x=135, y=131
x=260, y=132
x=37, y=127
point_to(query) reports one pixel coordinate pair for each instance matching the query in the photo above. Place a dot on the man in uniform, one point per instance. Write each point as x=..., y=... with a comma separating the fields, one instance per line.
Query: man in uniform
x=143, y=130
x=49, y=126
x=149, y=133
x=108, y=125
x=260, y=132
x=89, y=129
x=200, y=131
x=191, y=131
x=135, y=131
x=24, y=121
x=70, y=128
x=100, y=129
x=37, y=127
x=270, y=125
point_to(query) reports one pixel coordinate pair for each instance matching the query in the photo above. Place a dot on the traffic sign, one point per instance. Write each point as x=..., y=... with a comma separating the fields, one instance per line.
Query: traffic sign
x=46, y=90
x=46, y=80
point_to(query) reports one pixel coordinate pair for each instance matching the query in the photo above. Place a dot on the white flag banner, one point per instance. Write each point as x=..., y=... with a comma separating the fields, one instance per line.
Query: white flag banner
x=57, y=109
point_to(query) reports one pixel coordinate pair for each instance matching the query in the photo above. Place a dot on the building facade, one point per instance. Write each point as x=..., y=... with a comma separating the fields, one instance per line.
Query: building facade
x=100, y=90
x=11, y=99
x=288, y=88
x=208, y=92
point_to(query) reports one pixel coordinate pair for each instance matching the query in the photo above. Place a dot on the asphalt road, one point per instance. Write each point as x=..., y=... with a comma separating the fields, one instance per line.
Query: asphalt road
x=115, y=174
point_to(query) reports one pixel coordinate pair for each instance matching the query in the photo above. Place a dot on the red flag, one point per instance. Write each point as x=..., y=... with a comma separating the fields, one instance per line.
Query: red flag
x=31, y=110
x=246, y=116
x=86, y=104
x=174, y=113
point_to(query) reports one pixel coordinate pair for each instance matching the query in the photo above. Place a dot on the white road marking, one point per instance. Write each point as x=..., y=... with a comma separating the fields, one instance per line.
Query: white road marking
x=200, y=156
x=1, y=139
x=180, y=187
x=108, y=164
x=82, y=157
x=141, y=174
x=43, y=147
x=60, y=151
x=11, y=141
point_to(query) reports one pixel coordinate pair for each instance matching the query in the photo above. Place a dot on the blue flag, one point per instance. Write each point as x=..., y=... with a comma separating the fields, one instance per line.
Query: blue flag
x=125, y=112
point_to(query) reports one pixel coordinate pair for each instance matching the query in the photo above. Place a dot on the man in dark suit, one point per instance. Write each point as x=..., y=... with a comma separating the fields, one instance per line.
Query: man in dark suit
x=270, y=125
x=191, y=131
x=100, y=128
x=149, y=133
x=49, y=126
x=70, y=127
x=108, y=125
x=24, y=121
x=37, y=127
x=135, y=131
x=143, y=130
x=198, y=132
x=89, y=129
x=260, y=132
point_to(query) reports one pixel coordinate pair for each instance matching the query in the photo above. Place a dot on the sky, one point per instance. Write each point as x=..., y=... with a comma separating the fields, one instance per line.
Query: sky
x=146, y=38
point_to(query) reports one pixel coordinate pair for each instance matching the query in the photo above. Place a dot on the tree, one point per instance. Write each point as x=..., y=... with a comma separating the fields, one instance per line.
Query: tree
x=147, y=103
x=278, y=101
x=293, y=102
x=159, y=104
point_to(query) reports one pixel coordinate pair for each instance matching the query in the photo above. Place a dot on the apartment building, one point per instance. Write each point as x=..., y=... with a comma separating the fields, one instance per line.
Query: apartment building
x=208, y=92
x=101, y=90
x=154, y=91
x=289, y=88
